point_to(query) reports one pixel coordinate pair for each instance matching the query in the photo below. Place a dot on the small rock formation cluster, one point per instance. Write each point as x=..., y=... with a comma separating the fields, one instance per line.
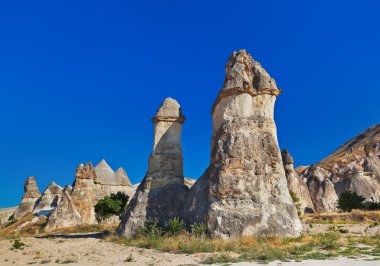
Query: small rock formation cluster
x=72, y=206
x=244, y=190
x=355, y=166
x=162, y=192
x=91, y=184
x=296, y=184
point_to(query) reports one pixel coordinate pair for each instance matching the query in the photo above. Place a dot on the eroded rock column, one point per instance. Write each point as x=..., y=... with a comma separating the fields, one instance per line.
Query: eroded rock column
x=248, y=193
x=296, y=184
x=162, y=192
x=29, y=199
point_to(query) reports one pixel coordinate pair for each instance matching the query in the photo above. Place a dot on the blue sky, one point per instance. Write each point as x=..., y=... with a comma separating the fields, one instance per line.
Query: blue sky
x=80, y=80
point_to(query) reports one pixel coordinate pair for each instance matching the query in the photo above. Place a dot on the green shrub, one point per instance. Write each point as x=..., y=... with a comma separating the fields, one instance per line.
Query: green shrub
x=154, y=229
x=296, y=201
x=371, y=205
x=12, y=219
x=198, y=229
x=17, y=244
x=116, y=204
x=350, y=200
x=175, y=226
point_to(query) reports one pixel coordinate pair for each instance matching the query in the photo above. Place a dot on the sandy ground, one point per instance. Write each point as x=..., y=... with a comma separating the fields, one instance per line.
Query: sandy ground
x=89, y=249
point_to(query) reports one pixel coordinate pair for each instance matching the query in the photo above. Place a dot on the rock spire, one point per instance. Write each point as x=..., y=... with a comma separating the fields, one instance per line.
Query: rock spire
x=30, y=198
x=296, y=184
x=245, y=185
x=162, y=192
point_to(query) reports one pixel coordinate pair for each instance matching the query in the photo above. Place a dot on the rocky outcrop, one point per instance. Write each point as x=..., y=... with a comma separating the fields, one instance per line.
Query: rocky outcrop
x=296, y=183
x=245, y=185
x=355, y=166
x=49, y=199
x=91, y=184
x=29, y=199
x=65, y=215
x=161, y=194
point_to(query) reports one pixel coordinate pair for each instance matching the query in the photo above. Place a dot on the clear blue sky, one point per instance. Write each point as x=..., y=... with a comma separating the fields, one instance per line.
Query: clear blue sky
x=80, y=80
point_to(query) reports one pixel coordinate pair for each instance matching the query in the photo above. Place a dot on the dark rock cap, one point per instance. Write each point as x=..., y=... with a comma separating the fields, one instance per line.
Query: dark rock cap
x=286, y=157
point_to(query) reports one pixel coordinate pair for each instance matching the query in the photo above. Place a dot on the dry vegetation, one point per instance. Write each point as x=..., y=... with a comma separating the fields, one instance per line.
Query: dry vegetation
x=319, y=246
x=354, y=217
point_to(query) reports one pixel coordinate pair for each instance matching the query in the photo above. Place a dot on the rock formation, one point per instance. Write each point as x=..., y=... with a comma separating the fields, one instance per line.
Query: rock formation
x=65, y=215
x=162, y=192
x=49, y=199
x=296, y=184
x=91, y=184
x=30, y=198
x=244, y=190
x=321, y=191
x=355, y=166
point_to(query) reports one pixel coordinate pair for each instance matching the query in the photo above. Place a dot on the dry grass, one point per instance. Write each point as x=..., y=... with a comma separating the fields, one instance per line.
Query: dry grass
x=354, y=217
x=86, y=228
x=319, y=246
x=24, y=227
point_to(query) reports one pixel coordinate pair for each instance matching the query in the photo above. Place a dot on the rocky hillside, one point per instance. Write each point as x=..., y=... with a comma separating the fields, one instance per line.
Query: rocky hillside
x=354, y=166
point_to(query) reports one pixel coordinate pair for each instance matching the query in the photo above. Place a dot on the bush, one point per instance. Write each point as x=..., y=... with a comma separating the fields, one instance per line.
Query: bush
x=116, y=204
x=350, y=200
x=198, y=229
x=175, y=226
x=296, y=201
x=154, y=229
x=12, y=219
x=371, y=205
x=17, y=244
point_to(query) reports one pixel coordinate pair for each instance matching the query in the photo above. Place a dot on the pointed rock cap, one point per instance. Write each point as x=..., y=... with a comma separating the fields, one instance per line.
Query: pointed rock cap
x=122, y=177
x=170, y=111
x=31, y=188
x=53, y=188
x=286, y=157
x=245, y=75
x=104, y=173
x=67, y=188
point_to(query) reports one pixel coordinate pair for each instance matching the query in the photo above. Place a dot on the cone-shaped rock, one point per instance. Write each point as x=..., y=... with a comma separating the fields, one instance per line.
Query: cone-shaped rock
x=248, y=192
x=162, y=192
x=30, y=198
x=122, y=177
x=49, y=199
x=65, y=215
x=296, y=184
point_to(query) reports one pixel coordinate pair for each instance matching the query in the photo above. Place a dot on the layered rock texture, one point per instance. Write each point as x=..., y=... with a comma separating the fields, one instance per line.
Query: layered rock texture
x=355, y=166
x=91, y=184
x=161, y=194
x=296, y=184
x=247, y=189
x=29, y=199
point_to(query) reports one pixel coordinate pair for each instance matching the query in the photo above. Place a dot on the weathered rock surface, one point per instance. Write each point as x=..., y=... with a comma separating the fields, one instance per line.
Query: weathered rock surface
x=29, y=199
x=296, y=184
x=355, y=166
x=246, y=191
x=65, y=215
x=162, y=192
x=91, y=184
x=5, y=213
x=49, y=199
